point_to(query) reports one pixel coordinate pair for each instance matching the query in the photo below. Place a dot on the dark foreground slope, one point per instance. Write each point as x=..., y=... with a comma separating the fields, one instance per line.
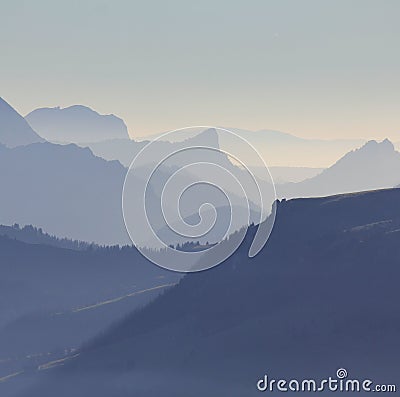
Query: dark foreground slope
x=54, y=299
x=324, y=293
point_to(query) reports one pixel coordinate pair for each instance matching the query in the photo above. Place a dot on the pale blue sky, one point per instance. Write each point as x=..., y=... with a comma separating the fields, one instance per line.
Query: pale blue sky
x=315, y=68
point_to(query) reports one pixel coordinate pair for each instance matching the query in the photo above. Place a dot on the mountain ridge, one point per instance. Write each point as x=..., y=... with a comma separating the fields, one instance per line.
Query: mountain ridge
x=76, y=124
x=375, y=165
x=14, y=129
x=79, y=189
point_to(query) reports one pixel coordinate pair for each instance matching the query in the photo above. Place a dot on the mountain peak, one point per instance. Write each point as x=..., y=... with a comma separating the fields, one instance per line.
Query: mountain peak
x=77, y=124
x=375, y=165
x=208, y=137
x=373, y=145
x=14, y=129
x=388, y=143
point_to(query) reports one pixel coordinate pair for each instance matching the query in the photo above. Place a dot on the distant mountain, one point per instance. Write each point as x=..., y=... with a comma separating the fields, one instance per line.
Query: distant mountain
x=69, y=192
x=65, y=190
x=76, y=124
x=286, y=150
x=14, y=130
x=125, y=150
x=322, y=294
x=373, y=166
x=188, y=164
x=280, y=149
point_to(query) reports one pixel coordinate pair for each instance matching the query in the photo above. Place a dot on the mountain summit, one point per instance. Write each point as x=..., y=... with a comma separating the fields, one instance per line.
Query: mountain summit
x=76, y=124
x=14, y=129
x=375, y=165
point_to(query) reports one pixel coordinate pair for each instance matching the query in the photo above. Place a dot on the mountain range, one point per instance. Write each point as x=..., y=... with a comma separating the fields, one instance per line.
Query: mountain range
x=107, y=136
x=79, y=196
x=124, y=150
x=280, y=149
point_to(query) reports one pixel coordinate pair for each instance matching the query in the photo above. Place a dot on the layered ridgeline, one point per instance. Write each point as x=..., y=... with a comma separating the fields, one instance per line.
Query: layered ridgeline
x=69, y=192
x=124, y=150
x=14, y=129
x=280, y=149
x=76, y=124
x=323, y=294
x=290, y=158
x=373, y=165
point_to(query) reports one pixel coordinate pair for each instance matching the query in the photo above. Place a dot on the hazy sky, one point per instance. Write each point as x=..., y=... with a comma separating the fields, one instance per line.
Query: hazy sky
x=316, y=68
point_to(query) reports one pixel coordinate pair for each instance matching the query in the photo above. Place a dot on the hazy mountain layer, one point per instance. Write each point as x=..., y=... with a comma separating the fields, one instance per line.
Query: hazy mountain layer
x=282, y=149
x=63, y=189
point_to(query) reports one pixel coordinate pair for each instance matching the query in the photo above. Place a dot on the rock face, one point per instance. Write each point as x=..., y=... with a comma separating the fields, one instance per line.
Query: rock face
x=76, y=124
x=14, y=129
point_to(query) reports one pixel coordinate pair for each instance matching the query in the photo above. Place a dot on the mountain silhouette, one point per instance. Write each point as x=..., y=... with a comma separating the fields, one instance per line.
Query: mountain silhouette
x=187, y=168
x=373, y=166
x=69, y=192
x=76, y=124
x=280, y=149
x=322, y=294
x=14, y=129
x=125, y=150
x=65, y=190
x=283, y=149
